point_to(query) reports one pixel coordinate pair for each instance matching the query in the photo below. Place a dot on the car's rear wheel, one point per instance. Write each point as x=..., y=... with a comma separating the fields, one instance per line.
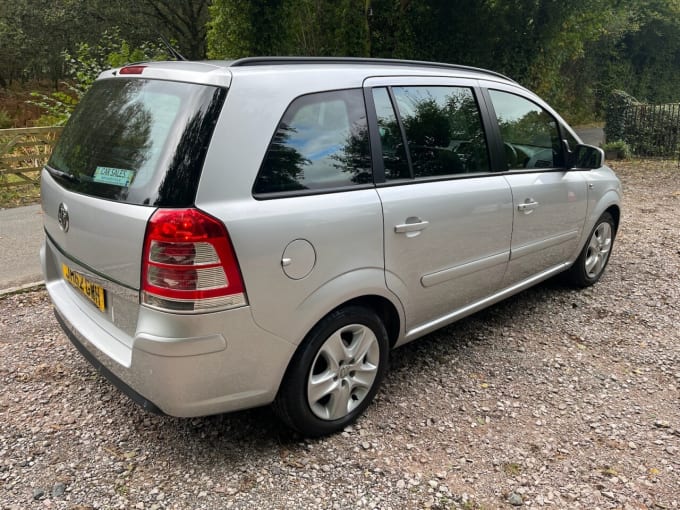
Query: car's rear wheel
x=590, y=265
x=335, y=373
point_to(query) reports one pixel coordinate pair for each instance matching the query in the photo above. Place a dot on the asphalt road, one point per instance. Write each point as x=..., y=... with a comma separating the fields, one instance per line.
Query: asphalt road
x=21, y=235
x=591, y=136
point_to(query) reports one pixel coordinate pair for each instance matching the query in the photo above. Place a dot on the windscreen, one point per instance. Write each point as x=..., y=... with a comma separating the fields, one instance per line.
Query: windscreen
x=138, y=141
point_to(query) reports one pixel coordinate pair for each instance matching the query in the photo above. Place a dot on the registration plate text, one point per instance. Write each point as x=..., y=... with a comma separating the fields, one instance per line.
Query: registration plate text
x=92, y=291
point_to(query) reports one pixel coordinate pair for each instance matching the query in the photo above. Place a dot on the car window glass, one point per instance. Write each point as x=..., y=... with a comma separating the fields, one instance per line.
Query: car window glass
x=443, y=130
x=530, y=135
x=138, y=141
x=320, y=143
x=393, y=153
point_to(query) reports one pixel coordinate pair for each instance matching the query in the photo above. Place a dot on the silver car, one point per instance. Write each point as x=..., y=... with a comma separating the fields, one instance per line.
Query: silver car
x=225, y=235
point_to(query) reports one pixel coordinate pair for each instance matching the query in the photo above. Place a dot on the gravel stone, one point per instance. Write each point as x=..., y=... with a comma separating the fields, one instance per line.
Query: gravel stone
x=455, y=426
x=515, y=499
x=58, y=490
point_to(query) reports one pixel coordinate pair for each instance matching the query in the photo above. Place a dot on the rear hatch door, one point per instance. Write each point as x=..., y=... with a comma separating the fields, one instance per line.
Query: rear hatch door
x=133, y=144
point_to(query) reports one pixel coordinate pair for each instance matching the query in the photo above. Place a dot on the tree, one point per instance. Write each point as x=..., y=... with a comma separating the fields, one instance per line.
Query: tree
x=184, y=22
x=241, y=28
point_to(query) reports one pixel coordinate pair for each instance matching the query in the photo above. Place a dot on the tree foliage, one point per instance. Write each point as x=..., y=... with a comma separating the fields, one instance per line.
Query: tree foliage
x=573, y=53
x=83, y=67
x=34, y=34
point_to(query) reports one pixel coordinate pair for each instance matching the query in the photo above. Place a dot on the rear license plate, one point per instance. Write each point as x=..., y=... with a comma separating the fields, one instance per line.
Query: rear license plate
x=92, y=291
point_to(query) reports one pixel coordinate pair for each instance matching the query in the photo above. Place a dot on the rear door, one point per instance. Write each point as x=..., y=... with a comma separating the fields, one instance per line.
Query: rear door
x=447, y=217
x=549, y=202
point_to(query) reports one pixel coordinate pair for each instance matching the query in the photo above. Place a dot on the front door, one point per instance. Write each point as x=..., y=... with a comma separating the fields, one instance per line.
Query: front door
x=549, y=202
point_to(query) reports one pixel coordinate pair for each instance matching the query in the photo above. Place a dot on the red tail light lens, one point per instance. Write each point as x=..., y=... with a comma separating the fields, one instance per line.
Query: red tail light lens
x=189, y=264
x=136, y=69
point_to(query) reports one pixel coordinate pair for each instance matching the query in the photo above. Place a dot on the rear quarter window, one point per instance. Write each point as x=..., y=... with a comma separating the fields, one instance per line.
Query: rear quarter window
x=320, y=144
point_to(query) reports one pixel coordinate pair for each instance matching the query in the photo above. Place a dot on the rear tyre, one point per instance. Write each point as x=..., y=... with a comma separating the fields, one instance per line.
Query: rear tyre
x=593, y=259
x=335, y=372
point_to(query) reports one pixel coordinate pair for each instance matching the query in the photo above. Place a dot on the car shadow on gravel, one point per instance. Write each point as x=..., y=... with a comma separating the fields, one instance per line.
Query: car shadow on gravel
x=478, y=329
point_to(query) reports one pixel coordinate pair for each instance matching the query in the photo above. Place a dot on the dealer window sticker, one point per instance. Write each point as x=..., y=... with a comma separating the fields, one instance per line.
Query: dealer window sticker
x=114, y=176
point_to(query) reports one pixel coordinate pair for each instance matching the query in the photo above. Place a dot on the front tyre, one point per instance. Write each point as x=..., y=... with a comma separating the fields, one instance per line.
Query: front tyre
x=593, y=259
x=335, y=372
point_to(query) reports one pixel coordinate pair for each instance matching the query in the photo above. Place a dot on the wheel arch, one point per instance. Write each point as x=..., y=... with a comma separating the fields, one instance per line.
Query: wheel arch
x=365, y=287
x=384, y=308
x=610, y=203
x=615, y=211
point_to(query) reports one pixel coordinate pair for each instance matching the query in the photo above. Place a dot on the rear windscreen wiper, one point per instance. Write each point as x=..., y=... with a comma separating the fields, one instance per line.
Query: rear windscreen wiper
x=63, y=175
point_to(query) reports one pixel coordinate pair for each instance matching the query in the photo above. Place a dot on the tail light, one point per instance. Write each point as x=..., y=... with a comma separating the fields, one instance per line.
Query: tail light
x=133, y=69
x=189, y=264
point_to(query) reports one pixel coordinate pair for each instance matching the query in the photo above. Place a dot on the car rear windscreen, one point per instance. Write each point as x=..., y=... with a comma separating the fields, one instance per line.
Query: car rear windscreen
x=138, y=141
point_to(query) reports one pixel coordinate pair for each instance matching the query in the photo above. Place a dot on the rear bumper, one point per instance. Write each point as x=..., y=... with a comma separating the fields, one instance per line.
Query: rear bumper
x=180, y=365
x=147, y=405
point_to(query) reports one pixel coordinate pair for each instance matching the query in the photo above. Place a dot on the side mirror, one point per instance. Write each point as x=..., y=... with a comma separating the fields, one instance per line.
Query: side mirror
x=586, y=157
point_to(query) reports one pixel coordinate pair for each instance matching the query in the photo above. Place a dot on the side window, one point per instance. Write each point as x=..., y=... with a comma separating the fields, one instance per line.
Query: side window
x=530, y=135
x=320, y=143
x=443, y=130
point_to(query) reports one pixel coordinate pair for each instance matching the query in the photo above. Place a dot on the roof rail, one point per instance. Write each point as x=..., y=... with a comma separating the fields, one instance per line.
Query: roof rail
x=262, y=61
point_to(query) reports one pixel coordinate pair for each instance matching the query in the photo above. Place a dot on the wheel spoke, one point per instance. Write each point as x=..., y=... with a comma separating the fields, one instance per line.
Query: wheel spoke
x=364, y=341
x=334, y=350
x=364, y=375
x=591, y=262
x=605, y=243
x=320, y=386
x=598, y=265
x=338, y=405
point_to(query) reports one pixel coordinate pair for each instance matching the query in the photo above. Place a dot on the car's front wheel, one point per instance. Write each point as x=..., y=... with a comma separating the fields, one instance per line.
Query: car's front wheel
x=592, y=260
x=335, y=373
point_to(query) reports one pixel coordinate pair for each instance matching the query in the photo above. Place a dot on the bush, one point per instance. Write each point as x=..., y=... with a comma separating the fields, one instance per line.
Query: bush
x=619, y=148
x=618, y=105
x=6, y=120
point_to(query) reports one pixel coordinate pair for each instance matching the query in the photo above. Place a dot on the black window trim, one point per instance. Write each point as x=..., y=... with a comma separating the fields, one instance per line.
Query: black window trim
x=377, y=162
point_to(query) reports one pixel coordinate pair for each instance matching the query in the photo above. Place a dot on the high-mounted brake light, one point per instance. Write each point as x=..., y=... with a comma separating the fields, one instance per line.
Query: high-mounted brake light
x=136, y=69
x=189, y=264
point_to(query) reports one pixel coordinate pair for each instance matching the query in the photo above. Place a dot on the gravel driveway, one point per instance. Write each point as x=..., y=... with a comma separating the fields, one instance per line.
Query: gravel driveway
x=554, y=398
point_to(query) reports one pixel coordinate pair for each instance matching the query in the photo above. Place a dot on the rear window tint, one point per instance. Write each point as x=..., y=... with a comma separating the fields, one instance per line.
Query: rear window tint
x=321, y=143
x=138, y=141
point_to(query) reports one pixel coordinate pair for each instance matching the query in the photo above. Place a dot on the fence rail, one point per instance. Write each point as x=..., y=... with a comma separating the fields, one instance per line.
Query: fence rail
x=651, y=130
x=23, y=152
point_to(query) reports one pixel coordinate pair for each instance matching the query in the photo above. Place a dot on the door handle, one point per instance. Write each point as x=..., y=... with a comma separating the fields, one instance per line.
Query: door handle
x=528, y=206
x=411, y=227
